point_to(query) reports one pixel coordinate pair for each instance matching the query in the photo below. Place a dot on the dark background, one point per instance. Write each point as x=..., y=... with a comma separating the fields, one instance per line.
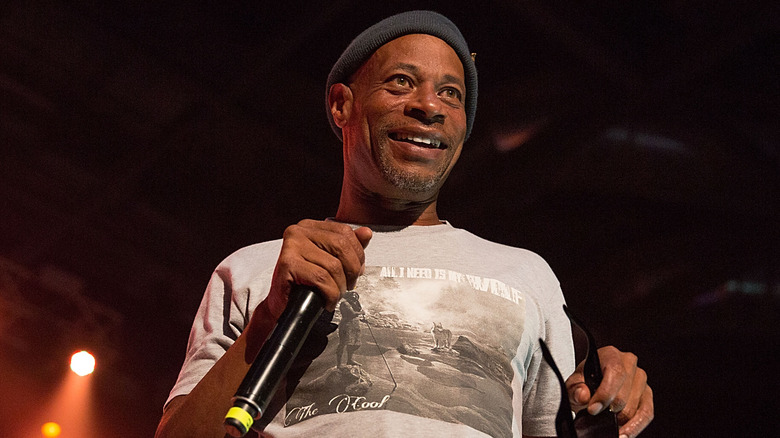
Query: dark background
x=634, y=145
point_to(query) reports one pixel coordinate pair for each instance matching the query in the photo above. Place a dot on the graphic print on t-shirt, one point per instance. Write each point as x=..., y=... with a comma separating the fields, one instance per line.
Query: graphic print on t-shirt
x=427, y=342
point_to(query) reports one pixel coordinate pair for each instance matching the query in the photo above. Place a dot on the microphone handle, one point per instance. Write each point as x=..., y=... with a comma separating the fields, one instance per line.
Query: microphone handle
x=304, y=307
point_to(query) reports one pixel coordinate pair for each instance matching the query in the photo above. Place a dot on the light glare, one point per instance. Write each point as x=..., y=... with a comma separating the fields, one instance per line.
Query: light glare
x=51, y=429
x=82, y=363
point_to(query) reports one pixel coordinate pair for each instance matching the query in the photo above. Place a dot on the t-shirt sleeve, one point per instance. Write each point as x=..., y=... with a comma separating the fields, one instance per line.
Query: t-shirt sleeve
x=236, y=287
x=541, y=398
x=218, y=323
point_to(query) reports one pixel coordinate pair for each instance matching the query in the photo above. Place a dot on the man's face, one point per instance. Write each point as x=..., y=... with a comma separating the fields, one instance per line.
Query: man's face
x=408, y=120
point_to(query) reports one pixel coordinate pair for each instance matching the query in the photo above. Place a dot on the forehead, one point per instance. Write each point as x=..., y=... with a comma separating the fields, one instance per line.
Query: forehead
x=421, y=50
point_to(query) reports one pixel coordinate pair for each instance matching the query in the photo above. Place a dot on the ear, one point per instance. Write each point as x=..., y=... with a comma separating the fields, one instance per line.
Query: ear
x=340, y=99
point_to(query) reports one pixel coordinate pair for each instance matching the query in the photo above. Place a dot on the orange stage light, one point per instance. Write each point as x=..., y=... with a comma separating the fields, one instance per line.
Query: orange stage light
x=51, y=430
x=82, y=363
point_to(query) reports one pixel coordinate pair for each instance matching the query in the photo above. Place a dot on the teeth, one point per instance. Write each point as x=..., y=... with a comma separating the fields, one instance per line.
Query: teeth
x=433, y=142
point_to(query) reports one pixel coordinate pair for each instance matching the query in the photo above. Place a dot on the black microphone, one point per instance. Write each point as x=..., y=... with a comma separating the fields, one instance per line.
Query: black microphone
x=304, y=306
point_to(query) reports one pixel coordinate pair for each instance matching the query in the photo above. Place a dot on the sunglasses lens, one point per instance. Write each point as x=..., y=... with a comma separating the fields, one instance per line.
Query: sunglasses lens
x=603, y=425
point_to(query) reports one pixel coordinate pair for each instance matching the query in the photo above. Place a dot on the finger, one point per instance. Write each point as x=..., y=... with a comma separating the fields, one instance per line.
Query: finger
x=615, y=376
x=644, y=415
x=637, y=390
x=364, y=235
x=293, y=267
x=579, y=394
x=340, y=241
x=357, y=239
x=332, y=246
x=326, y=271
x=330, y=286
x=578, y=391
x=316, y=269
x=623, y=397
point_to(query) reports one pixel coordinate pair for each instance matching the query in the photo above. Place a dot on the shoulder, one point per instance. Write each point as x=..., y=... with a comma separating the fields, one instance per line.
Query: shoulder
x=515, y=254
x=249, y=262
x=525, y=264
x=252, y=254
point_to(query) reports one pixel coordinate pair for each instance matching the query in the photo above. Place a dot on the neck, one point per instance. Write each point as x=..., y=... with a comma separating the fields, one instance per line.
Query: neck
x=373, y=209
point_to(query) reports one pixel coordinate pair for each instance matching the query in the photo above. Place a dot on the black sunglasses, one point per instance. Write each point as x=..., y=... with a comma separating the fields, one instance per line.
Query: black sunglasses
x=583, y=425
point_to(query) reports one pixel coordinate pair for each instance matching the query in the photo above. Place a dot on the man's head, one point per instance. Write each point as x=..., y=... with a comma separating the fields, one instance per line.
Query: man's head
x=404, y=109
x=412, y=22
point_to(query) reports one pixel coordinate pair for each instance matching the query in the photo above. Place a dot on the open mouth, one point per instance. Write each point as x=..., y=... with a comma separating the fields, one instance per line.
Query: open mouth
x=418, y=140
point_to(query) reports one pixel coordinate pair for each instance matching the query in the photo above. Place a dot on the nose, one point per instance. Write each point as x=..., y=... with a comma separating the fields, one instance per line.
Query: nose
x=424, y=105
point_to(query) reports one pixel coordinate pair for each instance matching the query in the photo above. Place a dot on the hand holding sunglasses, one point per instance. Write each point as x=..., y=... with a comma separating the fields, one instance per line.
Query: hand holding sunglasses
x=605, y=424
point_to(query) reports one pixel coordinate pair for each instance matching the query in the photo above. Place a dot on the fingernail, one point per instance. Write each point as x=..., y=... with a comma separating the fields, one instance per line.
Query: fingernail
x=623, y=436
x=595, y=408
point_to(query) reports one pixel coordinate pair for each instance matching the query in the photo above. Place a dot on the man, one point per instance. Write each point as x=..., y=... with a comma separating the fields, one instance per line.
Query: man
x=402, y=97
x=349, y=328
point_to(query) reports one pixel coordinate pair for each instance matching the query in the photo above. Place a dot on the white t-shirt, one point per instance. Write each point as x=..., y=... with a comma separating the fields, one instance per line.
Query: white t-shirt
x=447, y=344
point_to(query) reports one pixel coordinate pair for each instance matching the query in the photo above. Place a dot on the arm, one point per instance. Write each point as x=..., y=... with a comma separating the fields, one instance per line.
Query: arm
x=325, y=255
x=202, y=412
x=624, y=390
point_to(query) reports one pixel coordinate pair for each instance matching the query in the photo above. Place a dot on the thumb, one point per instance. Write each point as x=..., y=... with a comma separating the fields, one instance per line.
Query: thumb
x=364, y=235
x=579, y=394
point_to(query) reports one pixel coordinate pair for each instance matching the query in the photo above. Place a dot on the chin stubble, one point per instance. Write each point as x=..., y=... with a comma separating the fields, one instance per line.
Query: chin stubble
x=408, y=181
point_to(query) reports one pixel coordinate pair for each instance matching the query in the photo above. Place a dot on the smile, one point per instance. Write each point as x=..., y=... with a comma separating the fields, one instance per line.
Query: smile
x=418, y=140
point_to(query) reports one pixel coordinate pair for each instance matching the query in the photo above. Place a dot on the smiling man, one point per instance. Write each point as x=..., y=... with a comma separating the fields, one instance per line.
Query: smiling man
x=403, y=121
x=402, y=97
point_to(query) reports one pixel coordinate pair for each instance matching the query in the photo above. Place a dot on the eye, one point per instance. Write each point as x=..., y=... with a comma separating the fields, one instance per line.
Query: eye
x=402, y=81
x=452, y=94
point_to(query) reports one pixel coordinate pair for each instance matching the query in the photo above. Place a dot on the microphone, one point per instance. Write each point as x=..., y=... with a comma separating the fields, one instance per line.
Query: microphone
x=304, y=306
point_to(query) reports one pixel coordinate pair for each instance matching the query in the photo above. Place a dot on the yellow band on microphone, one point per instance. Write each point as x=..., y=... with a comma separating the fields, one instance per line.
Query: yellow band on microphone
x=241, y=416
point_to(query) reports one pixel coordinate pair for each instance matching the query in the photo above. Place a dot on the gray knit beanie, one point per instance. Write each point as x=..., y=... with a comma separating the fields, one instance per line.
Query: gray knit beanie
x=405, y=23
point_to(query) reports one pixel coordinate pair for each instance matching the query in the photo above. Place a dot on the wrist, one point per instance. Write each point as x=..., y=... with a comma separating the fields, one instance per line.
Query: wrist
x=259, y=328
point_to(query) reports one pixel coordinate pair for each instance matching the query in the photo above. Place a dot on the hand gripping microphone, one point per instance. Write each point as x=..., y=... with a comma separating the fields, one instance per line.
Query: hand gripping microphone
x=304, y=307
